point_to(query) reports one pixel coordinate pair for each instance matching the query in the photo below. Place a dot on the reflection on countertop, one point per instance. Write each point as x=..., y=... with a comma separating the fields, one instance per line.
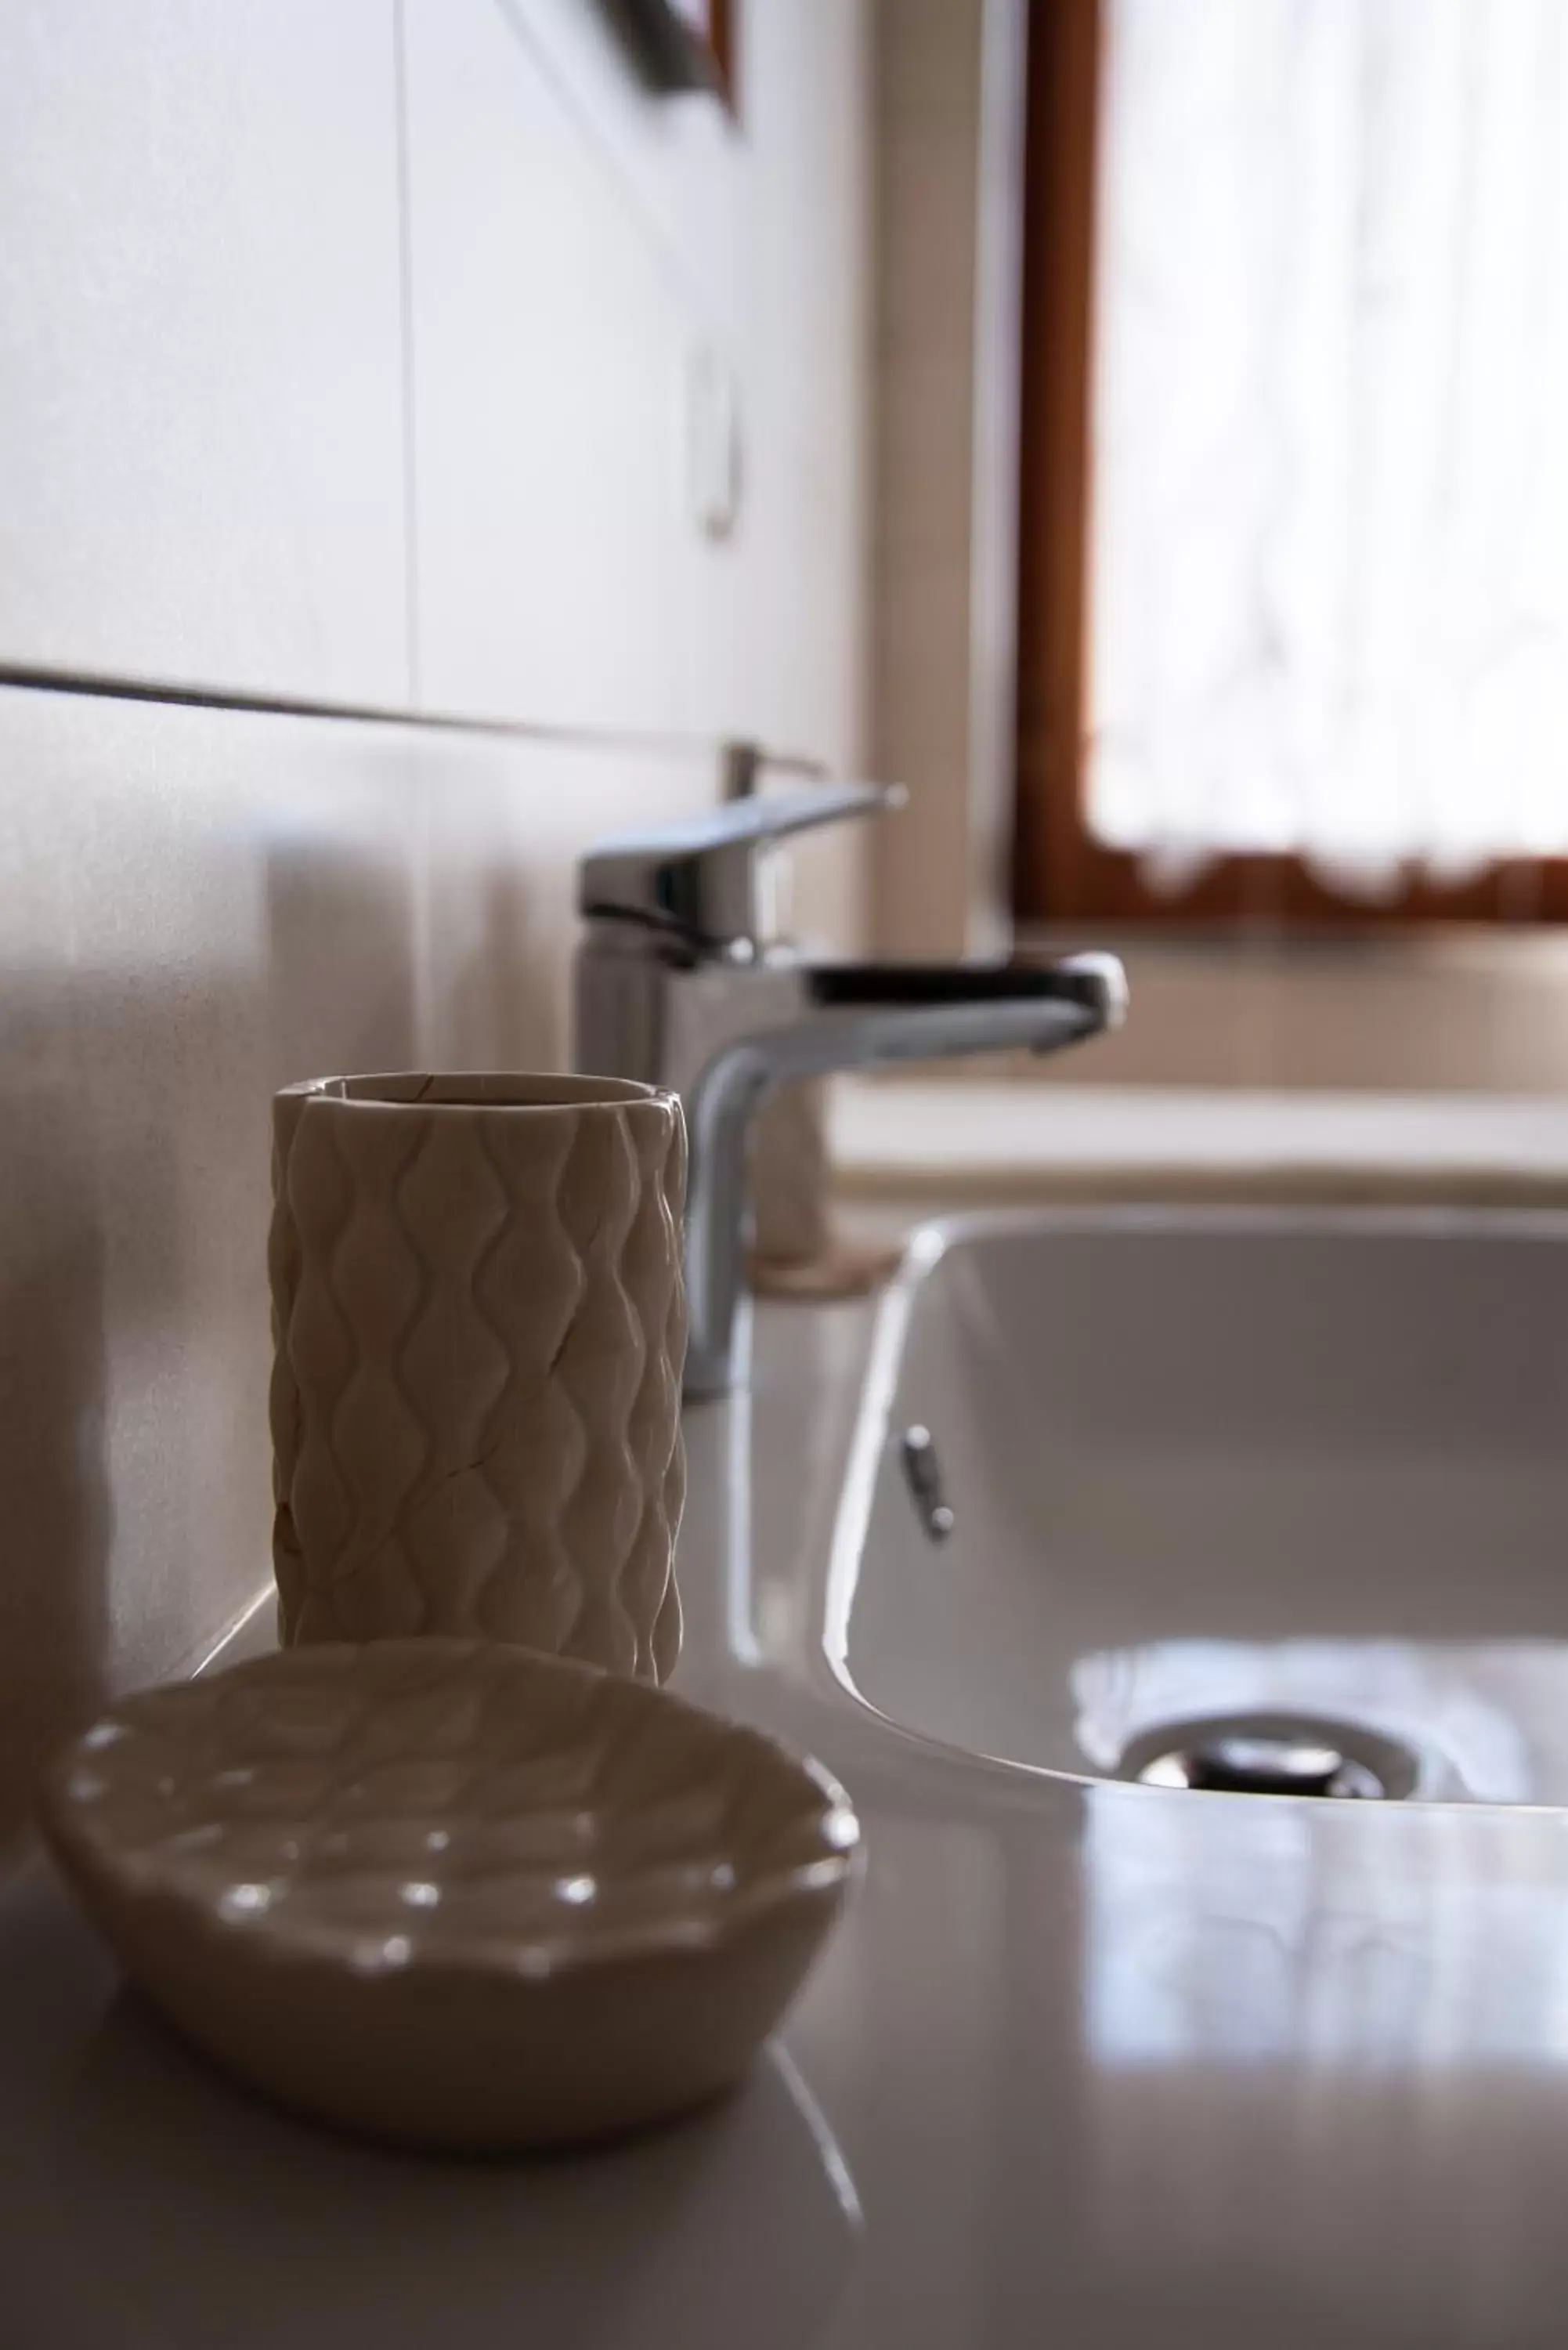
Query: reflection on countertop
x=211, y=2218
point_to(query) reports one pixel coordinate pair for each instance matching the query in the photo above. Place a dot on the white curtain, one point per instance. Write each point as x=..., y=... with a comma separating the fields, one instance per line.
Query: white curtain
x=1329, y=589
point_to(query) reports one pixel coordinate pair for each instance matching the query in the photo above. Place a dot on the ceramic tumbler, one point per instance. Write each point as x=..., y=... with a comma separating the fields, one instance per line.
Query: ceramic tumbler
x=479, y=1325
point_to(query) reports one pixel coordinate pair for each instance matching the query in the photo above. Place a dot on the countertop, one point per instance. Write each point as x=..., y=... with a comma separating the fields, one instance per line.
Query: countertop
x=1102, y=2067
x=948, y=1140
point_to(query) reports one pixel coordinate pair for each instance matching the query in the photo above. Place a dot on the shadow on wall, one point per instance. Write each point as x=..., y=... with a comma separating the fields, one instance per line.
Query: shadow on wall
x=501, y=937
x=341, y=973
x=510, y=994
x=348, y=995
x=58, y=1515
x=134, y=1345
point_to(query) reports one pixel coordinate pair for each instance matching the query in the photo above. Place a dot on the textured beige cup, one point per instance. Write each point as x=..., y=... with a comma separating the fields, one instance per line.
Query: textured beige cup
x=479, y=1326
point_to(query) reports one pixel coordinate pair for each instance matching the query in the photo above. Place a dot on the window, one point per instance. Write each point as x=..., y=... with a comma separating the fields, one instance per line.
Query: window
x=1294, y=577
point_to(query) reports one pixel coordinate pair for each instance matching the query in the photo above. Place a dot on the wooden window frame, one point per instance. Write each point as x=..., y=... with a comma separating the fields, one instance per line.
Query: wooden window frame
x=1061, y=873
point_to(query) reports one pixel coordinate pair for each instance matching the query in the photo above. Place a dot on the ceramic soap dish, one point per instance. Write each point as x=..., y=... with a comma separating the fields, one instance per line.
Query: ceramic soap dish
x=451, y=1893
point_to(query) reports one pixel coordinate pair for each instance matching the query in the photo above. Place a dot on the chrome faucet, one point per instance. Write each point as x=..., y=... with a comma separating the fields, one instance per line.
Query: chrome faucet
x=681, y=983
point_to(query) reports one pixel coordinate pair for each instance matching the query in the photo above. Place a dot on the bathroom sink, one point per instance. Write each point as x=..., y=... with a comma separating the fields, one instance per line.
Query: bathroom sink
x=1213, y=1469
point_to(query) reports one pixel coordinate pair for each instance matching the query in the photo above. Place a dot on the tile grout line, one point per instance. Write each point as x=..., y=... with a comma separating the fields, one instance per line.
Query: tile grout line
x=30, y=677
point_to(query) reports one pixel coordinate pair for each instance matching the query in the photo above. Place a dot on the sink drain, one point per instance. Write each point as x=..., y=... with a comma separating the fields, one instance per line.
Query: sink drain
x=1273, y=1754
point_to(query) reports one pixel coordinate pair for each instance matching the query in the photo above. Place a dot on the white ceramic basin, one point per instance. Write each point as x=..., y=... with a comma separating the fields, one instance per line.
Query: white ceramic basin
x=1208, y=1462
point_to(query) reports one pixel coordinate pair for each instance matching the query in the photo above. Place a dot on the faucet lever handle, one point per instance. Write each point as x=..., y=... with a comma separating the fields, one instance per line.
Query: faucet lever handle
x=698, y=877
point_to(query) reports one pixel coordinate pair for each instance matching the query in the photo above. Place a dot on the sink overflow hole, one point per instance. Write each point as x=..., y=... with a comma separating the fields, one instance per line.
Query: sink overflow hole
x=923, y=1475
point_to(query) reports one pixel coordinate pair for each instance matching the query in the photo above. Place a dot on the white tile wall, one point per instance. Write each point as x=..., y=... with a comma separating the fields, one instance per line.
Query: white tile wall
x=555, y=559
x=680, y=164
x=231, y=455
x=201, y=434
x=576, y=247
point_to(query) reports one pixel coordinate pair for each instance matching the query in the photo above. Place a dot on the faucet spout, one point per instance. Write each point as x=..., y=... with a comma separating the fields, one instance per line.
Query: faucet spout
x=852, y=1016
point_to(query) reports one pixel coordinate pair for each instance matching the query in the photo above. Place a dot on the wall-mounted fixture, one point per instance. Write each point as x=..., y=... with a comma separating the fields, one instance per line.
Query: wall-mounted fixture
x=681, y=44
x=713, y=454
